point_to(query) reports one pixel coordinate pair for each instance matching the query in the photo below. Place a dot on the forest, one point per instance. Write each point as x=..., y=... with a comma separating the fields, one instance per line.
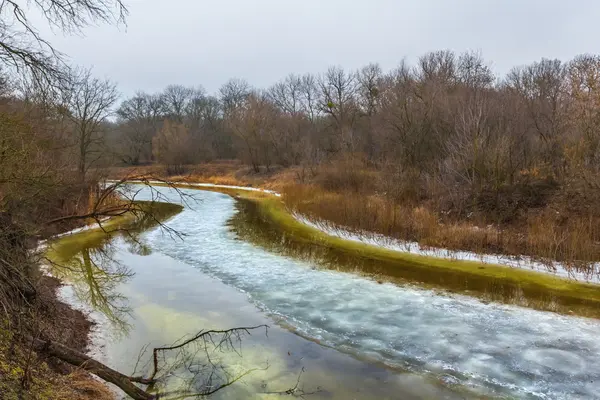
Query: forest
x=443, y=152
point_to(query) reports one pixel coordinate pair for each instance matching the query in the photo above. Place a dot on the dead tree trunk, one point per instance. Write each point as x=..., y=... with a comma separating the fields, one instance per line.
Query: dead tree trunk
x=80, y=360
x=225, y=340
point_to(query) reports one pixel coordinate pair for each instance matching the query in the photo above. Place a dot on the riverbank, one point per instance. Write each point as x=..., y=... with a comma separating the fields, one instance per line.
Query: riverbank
x=271, y=224
x=553, y=234
x=277, y=227
x=47, y=378
x=28, y=374
x=56, y=316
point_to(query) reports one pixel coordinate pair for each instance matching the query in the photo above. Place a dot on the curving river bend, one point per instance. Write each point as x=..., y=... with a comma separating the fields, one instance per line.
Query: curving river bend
x=367, y=340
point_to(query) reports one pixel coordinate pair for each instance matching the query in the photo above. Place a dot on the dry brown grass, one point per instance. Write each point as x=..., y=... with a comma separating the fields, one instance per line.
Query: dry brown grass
x=573, y=241
x=43, y=380
x=377, y=214
x=349, y=194
x=220, y=173
x=544, y=237
x=84, y=387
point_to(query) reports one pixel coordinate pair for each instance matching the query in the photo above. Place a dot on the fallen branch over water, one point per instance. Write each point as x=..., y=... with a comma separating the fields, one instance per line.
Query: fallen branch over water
x=204, y=341
x=87, y=363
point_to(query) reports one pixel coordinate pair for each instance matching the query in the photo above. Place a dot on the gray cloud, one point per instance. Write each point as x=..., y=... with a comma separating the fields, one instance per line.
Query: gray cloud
x=201, y=42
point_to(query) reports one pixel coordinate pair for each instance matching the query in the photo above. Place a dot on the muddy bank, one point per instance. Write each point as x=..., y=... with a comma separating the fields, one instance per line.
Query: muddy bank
x=65, y=324
x=48, y=377
x=54, y=315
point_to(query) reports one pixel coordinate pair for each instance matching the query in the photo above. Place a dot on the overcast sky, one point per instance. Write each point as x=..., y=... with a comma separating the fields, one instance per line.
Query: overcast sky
x=202, y=42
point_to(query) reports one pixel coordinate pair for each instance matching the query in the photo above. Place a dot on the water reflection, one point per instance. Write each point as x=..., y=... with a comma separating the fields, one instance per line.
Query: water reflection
x=88, y=262
x=95, y=277
x=198, y=366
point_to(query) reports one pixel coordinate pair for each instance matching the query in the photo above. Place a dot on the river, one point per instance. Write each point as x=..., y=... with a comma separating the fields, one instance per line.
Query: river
x=354, y=337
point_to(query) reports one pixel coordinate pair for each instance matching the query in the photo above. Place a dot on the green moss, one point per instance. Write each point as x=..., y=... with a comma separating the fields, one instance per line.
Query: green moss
x=64, y=248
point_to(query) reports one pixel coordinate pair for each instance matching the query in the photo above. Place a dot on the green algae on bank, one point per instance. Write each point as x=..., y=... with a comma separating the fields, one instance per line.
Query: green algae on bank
x=265, y=220
x=63, y=248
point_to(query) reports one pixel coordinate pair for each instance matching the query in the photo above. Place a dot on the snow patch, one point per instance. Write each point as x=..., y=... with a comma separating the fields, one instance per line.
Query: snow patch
x=213, y=185
x=389, y=243
x=100, y=330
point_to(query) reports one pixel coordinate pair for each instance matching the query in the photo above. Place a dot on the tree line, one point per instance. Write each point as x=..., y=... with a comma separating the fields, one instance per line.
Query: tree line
x=447, y=125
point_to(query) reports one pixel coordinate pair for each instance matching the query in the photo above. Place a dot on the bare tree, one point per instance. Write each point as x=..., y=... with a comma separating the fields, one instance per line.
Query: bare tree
x=309, y=97
x=369, y=90
x=473, y=72
x=584, y=90
x=369, y=81
x=286, y=95
x=139, y=118
x=172, y=146
x=293, y=129
x=542, y=89
x=234, y=94
x=338, y=100
x=206, y=122
x=439, y=66
x=254, y=126
x=469, y=146
x=88, y=102
x=23, y=48
x=406, y=113
x=177, y=100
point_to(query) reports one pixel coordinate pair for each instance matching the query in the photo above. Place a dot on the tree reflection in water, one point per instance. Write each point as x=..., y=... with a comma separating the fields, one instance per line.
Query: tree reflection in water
x=95, y=275
x=88, y=262
x=196, y=366
x=193, y=367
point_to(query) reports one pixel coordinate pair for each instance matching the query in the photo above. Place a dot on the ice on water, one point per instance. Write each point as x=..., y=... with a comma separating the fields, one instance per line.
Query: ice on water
x=496, y=348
